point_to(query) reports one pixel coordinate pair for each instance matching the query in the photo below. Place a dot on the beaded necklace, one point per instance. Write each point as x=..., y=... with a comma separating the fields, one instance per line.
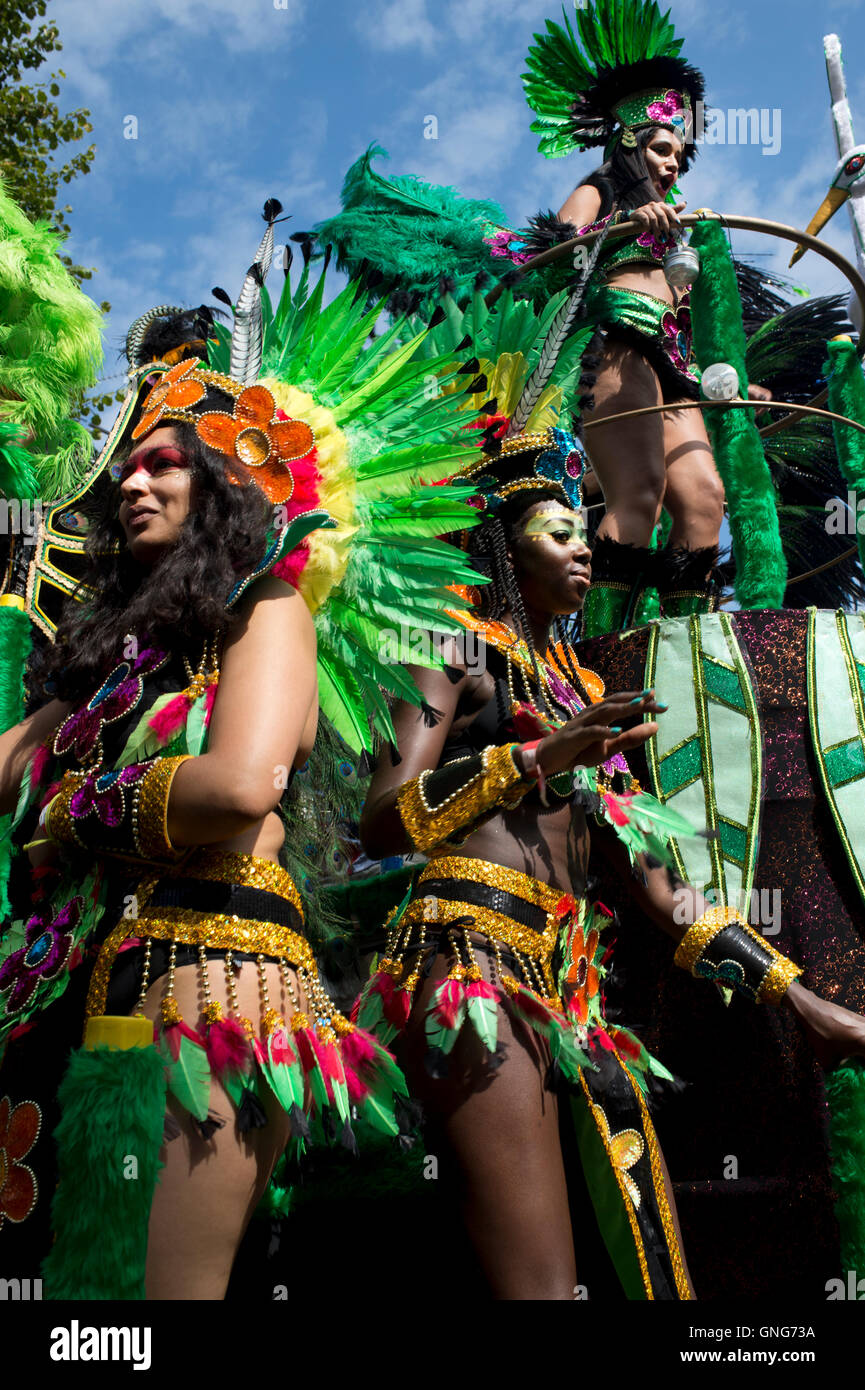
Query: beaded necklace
x=558, y=692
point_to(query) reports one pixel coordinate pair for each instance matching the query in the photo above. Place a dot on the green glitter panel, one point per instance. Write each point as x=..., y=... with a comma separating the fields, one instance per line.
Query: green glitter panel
x=860, y=672
x=681, y=767
x=734, y=840
x=845, y=763
x=723, y=684
x=604, y=609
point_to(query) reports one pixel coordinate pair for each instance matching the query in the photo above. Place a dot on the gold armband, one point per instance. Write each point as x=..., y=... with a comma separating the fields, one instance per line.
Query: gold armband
x=437, y=805
x=122, y=813
x=723, y=948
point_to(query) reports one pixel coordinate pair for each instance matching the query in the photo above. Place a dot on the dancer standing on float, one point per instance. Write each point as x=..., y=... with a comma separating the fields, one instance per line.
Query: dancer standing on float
x=148, y=896
x=622, y=85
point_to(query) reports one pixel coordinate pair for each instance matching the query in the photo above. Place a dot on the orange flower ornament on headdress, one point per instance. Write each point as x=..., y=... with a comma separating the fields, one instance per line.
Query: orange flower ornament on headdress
x=255, y=432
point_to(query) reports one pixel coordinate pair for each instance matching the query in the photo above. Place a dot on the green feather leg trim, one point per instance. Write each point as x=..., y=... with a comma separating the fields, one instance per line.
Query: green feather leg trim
x=845, y=1091
x=761, y=569
x=847, y=397
x=113, y=1110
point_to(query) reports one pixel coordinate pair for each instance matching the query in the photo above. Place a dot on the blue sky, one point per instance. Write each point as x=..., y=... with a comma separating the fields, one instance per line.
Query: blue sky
x=237, y=100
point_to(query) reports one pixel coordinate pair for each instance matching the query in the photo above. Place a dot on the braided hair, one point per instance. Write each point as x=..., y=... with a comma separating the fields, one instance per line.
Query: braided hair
x=488, y=544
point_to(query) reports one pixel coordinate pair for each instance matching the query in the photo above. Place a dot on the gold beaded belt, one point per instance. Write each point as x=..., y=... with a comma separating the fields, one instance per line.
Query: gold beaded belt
x=532, y=947
x=190, y=926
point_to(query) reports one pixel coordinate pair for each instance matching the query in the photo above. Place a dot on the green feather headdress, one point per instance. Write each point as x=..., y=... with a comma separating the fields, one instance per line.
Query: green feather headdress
x=619, y=72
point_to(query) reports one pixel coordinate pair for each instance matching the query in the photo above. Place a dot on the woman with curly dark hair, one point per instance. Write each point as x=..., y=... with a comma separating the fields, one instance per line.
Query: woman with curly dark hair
x=158, y=634
x=150, y=898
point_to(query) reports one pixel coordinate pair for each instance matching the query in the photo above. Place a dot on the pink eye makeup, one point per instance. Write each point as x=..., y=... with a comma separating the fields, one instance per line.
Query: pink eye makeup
x=153, y=461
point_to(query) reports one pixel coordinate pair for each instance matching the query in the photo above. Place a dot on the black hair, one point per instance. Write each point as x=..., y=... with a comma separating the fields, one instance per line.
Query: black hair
x=180, y=602
x=489, y=543
x=623, y=180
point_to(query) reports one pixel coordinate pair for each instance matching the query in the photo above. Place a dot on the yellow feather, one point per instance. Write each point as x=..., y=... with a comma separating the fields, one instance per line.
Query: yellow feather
x=328, y=549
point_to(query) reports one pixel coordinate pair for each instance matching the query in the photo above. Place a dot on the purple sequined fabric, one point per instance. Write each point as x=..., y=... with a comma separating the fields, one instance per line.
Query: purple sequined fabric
x=80, y=735
x=746, y=1141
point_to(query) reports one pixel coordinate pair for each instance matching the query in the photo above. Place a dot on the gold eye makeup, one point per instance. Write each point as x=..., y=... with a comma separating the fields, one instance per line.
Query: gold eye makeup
x=563, y=525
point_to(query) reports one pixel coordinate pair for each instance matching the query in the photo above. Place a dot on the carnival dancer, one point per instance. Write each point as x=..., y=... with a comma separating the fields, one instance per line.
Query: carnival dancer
x=150, y=901
x=494, y=967
x=619, y=82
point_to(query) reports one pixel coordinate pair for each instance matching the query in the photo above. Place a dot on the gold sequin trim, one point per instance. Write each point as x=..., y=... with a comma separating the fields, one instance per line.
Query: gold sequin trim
x=780, y=974
x=499, y=783
x=778, y=979
x=628, y=1205
x=216, y=931
x=495, y=876
x=151, y=810
x=60, y=823
x=704, y=930
x=673, y=1246
x=224, y=866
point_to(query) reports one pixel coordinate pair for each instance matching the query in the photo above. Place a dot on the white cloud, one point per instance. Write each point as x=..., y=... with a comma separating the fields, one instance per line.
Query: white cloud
x=398, y=24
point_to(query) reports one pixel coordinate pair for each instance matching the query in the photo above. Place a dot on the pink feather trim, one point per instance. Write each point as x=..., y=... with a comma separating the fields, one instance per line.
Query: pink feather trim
x=306, y=495
x=396, y=1002
x=166, y=721
x=291, y=566
x=449, y=999
x=227, y=1047
x=39, y=763
x=482, y=989
x=209, y=697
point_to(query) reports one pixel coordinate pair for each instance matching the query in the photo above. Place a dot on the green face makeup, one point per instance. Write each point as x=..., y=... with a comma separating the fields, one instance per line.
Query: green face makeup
x=563, y=525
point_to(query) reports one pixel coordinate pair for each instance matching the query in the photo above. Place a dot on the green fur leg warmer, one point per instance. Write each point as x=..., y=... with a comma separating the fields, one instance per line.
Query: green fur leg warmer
x=845, y=1090
x=847, y=397
x=108, y=1142
x=761, y=569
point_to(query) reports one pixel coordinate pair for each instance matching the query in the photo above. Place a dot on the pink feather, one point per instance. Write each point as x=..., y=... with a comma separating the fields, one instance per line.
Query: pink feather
x=209, y=697
x=396, y=1002
x=39, y=763
x=449, y=999
x=306, y=495
x=166, y=721
x=481, y=989
x=227, y=1046
x=291, y=566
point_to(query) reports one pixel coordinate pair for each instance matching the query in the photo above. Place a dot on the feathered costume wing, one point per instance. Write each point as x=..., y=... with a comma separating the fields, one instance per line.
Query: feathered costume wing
x=388, y=432
x=412, y=237
x=50, y=354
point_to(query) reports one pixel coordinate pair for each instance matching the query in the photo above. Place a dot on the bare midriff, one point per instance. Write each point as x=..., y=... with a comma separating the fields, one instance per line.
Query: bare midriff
x=551, y=845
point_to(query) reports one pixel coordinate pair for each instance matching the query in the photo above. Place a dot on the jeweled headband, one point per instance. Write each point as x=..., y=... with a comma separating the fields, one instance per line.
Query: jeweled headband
x=255, y=432
x=558, y=467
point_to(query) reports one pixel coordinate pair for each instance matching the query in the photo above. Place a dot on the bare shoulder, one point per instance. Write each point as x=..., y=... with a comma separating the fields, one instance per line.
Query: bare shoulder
x=273, y=603
x=582, y=207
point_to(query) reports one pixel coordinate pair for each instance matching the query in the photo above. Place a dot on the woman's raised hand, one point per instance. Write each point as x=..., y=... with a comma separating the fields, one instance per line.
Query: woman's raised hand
x=595, y=734
x=660, y=218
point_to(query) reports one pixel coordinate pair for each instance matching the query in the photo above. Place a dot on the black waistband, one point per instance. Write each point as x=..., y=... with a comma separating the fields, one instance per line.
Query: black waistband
x=465, y=890
x=229, y=899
